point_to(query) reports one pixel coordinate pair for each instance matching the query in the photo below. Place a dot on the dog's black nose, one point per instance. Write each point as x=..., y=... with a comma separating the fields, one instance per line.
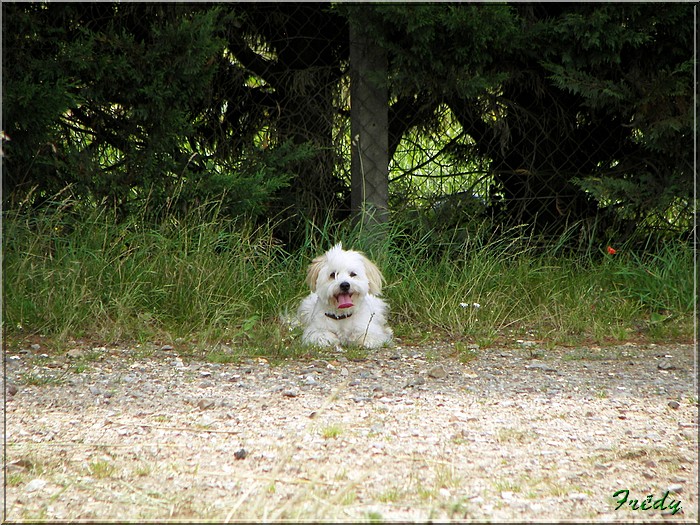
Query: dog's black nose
x=344, y=286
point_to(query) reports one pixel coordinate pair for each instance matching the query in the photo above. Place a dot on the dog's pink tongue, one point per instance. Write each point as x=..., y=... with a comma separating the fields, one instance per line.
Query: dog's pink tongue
x=344, y=301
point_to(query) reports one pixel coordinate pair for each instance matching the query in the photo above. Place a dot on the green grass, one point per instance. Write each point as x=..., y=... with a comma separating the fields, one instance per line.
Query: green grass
x=207, y=279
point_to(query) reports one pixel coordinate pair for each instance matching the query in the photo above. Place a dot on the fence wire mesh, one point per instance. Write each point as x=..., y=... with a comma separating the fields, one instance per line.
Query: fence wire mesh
x=324, y=110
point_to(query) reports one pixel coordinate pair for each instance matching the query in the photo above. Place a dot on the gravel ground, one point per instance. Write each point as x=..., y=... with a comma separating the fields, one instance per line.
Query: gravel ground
x=517, y=433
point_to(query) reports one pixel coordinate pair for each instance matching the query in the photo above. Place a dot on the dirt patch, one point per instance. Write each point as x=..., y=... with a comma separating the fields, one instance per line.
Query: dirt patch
x=407, y=433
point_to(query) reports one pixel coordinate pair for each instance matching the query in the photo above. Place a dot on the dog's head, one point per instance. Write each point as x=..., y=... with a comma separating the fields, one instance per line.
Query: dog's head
x=342, y=278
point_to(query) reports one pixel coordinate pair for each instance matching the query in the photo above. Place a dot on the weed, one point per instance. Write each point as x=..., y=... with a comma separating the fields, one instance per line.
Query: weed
x=513, y=435
x=101, y=469
x=15, y=479
x=391, y=495
x=331, y=431
x=40, y=379
x=466, y=353
x=143, y=470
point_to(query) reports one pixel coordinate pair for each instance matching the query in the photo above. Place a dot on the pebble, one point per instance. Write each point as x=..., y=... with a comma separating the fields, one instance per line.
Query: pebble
x=416, y=381
x=76, y=353
x=674, y=404
x=11, y=389
x=290, y=393
x=240, y=453
x=35, y=485
x=666, y=365
x=205, y=404
x=676, y=487
x=437, y=372
x=540, y=366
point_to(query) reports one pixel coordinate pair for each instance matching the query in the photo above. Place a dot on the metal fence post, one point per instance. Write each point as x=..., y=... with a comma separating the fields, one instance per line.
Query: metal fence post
x=369, y=127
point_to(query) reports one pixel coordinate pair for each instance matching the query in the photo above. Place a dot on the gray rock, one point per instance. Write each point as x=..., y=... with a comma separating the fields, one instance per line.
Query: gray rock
x=437, y=372
x=35, y=485
x=290, y=393
x=674, y=404
x=206, y=404
x=240, y=454
x=416, y=381
x=666, y=365
x=540, y=366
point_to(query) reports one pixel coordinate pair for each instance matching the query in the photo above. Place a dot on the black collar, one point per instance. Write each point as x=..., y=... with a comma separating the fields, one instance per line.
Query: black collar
x=338, y=317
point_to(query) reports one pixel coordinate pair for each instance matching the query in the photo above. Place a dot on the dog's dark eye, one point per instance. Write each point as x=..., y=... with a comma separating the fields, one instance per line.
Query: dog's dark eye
x=332, y=275
x=353, y=274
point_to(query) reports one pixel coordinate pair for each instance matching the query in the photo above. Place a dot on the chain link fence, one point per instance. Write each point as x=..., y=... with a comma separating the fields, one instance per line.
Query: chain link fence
x=314, y=108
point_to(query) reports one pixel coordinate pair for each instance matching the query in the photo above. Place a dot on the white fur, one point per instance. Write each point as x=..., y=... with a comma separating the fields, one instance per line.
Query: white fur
x=366, y=326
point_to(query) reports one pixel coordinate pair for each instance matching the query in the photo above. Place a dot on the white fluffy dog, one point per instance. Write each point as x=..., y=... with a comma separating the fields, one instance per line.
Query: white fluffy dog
x=343, y=307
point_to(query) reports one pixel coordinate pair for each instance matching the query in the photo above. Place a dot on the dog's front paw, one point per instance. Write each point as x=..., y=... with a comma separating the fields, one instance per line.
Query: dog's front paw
x=320, y=339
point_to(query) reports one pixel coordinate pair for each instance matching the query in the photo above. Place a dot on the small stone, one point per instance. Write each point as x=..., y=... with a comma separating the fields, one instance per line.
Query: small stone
x=676, y=487
x=35, y=347
x=35, y=485
x=540, y=366
x=344, y=372
x=416, y=381
x=76, y=353
x=437, y=372
x=11, y=389
x=310, y=380
x=20, y=465
x=666, y=365
x=674, y=404
x=95, y=391
x=205, y=404
x=290, y=393
x=167, y=348
x=240, y=453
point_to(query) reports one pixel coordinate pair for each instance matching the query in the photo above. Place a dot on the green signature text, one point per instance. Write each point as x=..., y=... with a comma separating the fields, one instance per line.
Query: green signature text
x=647, y=503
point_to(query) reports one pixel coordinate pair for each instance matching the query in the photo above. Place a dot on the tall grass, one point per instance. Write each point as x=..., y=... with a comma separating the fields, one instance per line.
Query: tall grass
x=208, y=278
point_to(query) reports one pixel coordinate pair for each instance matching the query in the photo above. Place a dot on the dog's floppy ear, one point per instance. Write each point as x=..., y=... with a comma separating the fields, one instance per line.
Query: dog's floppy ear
x=314, y=270
x=374, y=276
